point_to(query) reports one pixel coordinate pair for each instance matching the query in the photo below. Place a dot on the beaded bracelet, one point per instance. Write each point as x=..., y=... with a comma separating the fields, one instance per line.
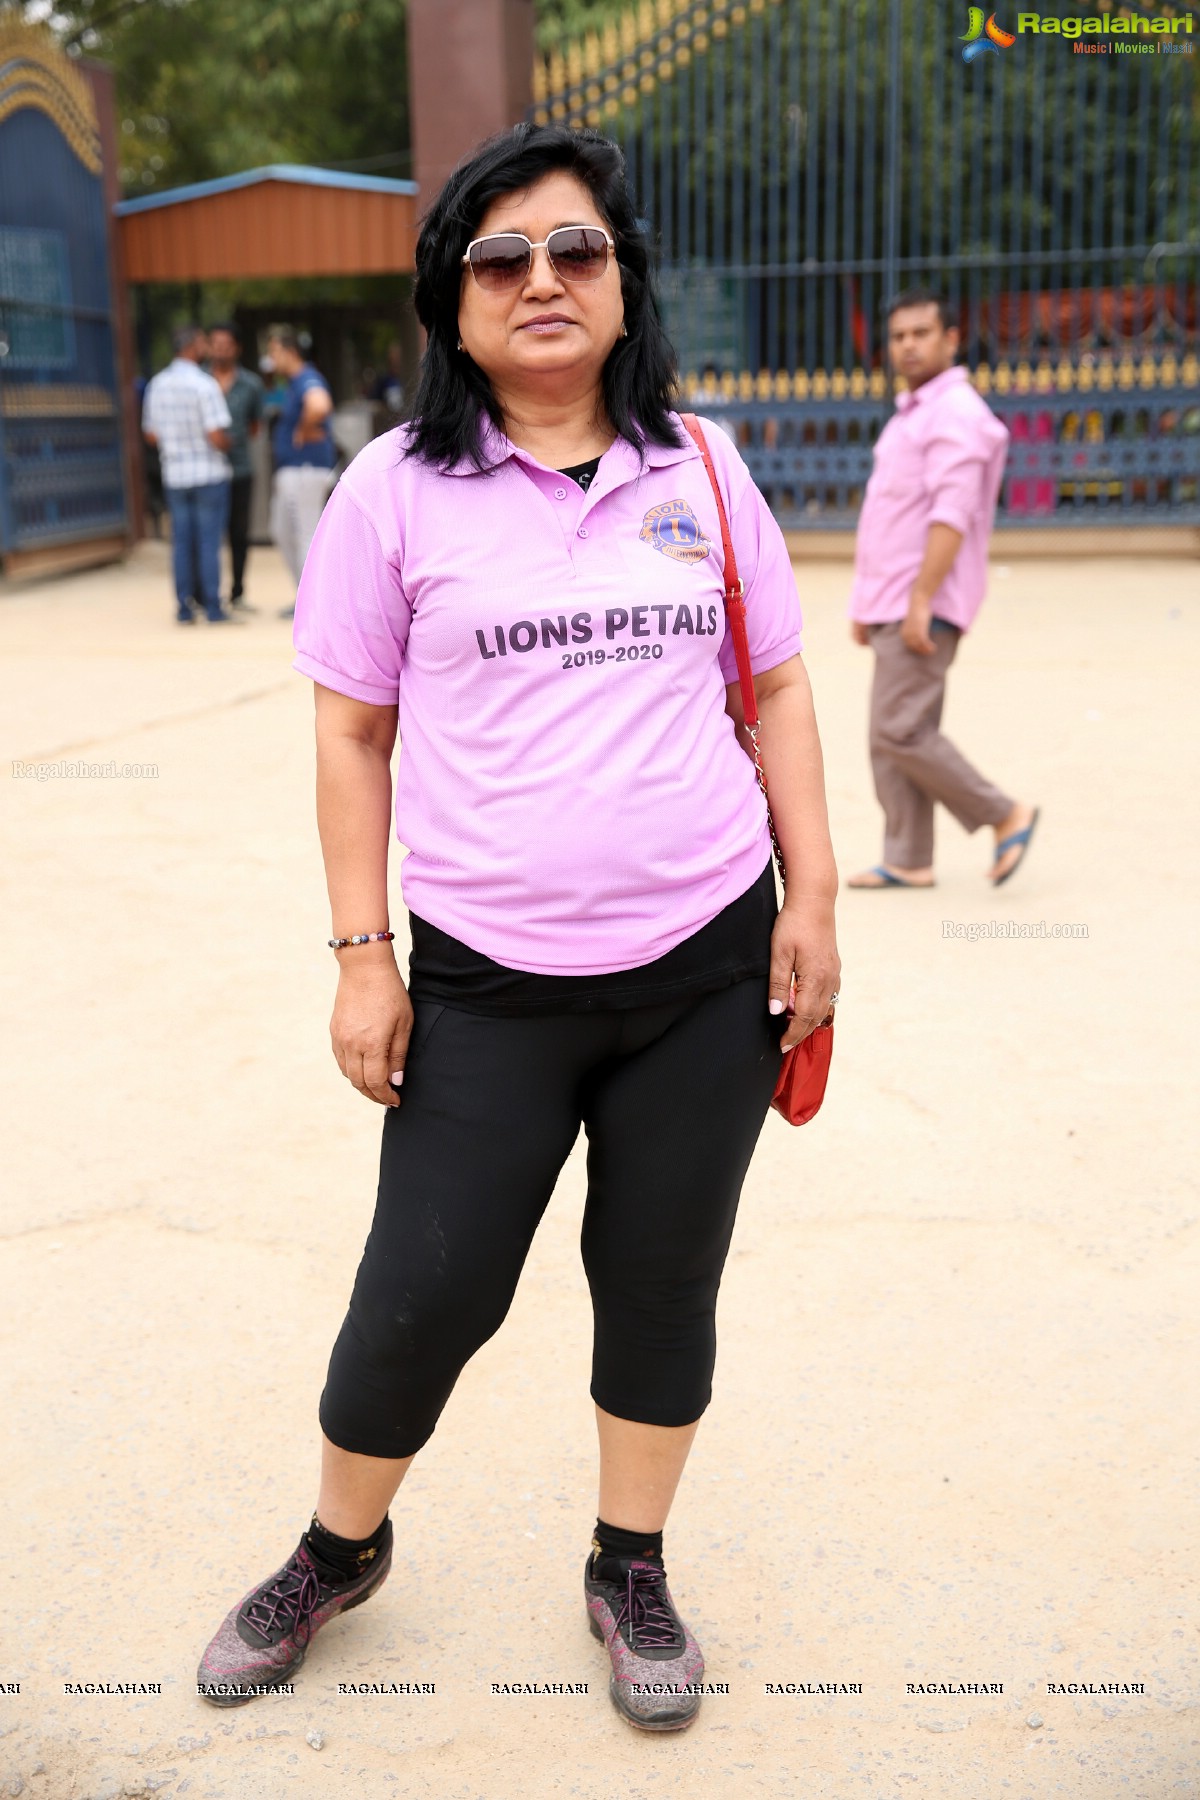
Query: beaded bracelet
x=366, y=937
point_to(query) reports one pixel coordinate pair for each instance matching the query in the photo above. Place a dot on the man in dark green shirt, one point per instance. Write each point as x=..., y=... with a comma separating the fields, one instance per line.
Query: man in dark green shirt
x=244, y=397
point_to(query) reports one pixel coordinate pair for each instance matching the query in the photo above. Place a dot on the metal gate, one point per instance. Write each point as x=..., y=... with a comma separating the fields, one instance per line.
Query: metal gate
x=61, y=474
x=798, y=163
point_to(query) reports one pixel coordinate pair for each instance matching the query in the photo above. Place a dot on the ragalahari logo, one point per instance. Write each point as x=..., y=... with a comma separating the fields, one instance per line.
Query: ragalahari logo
x=980, y=36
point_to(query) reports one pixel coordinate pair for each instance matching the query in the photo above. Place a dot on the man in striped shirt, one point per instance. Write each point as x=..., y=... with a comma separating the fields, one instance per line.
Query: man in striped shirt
x=185, y=415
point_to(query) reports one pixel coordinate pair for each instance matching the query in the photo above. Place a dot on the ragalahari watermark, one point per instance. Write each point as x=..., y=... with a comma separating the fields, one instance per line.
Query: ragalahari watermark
x=77, y=769
x=972, y=930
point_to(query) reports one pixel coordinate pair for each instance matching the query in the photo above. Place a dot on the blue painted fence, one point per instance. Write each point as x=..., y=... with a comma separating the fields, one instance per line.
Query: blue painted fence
x=61, y=474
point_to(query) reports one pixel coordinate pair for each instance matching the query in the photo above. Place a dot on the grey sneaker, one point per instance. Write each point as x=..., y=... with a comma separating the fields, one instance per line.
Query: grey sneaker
x=657, y=1668
x=263, y=1640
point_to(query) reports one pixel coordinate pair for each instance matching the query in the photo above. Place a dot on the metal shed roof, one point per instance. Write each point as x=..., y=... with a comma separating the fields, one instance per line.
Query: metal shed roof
x=280, y=220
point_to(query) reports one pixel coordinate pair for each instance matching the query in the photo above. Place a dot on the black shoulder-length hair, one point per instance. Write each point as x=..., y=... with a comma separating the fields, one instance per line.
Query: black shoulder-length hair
x=453, y=395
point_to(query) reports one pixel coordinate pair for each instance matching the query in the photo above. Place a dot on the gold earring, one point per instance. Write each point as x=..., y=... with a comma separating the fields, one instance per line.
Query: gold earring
x=622, y=333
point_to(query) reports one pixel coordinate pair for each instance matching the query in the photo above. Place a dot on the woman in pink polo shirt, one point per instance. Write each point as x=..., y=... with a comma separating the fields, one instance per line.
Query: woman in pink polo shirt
x=526, y=580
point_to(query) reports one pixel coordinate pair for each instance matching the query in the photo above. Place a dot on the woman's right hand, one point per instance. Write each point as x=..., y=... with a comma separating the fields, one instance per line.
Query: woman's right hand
x=372, y=1022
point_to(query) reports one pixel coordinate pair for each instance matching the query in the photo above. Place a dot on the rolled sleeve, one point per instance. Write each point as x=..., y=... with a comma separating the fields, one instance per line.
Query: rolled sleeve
x=150, y=419
x=773, y=622
x=352, y=615
x=214, y=409
x=955, y=465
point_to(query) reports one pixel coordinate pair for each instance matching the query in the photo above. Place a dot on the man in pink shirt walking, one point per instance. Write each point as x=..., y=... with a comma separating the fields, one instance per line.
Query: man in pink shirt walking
x=919, y=580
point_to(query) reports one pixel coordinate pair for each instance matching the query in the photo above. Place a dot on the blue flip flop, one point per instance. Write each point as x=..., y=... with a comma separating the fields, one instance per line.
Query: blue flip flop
x=1009, y=843
x=890, y=880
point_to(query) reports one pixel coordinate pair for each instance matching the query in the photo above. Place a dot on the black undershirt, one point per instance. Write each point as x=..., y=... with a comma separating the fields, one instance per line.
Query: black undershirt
x=583, y=473
x=733, y=946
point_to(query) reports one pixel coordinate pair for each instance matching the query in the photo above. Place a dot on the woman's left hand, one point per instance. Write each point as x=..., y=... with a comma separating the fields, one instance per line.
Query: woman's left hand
x=804, y=951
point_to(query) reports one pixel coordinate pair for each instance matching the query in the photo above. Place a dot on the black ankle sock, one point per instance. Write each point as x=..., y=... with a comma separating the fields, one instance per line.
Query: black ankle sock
x=344, y=1557
x=612, y=1543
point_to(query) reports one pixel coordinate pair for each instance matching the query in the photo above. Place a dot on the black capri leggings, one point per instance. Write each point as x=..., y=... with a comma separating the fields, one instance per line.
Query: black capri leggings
x=672, y=1098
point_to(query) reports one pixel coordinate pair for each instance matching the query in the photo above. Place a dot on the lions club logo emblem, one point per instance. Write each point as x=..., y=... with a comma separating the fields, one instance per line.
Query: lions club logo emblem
x=674, y=529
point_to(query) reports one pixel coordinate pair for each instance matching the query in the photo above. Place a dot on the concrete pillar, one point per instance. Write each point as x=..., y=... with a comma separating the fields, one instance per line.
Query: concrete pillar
x=470, y=66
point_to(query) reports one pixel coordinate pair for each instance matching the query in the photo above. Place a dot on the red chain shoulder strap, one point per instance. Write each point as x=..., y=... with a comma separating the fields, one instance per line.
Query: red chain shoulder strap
x=735, y=611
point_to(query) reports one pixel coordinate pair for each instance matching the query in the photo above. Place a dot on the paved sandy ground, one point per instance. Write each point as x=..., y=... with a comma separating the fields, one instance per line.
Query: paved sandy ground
x=954, y=1433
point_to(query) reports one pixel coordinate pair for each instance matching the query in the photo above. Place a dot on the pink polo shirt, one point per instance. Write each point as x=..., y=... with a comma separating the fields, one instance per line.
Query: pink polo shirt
x=571, y=791
x=939, y=459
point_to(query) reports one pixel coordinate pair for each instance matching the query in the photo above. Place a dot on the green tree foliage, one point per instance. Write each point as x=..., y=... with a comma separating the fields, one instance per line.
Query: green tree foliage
x=208, y=87
x=560, y=20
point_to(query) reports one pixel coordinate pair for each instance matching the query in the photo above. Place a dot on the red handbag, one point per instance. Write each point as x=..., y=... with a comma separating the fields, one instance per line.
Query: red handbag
x=805, y=1069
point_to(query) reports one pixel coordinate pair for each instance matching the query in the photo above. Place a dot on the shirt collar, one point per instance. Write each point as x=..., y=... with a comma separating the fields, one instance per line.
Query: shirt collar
x=495, y=449
x=931, y=390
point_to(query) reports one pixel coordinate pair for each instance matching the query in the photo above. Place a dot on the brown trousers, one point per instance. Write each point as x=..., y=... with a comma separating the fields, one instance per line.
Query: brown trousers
x=914, y=765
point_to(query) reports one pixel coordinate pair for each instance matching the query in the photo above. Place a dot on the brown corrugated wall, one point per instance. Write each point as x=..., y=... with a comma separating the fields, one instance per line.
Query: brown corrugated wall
x=272, y=228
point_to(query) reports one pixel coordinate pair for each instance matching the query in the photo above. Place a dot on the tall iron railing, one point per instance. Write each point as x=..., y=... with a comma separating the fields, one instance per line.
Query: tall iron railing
x=798, y=163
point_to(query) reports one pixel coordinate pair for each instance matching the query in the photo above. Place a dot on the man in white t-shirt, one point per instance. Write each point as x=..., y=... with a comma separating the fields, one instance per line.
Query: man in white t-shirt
x=185, y=415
